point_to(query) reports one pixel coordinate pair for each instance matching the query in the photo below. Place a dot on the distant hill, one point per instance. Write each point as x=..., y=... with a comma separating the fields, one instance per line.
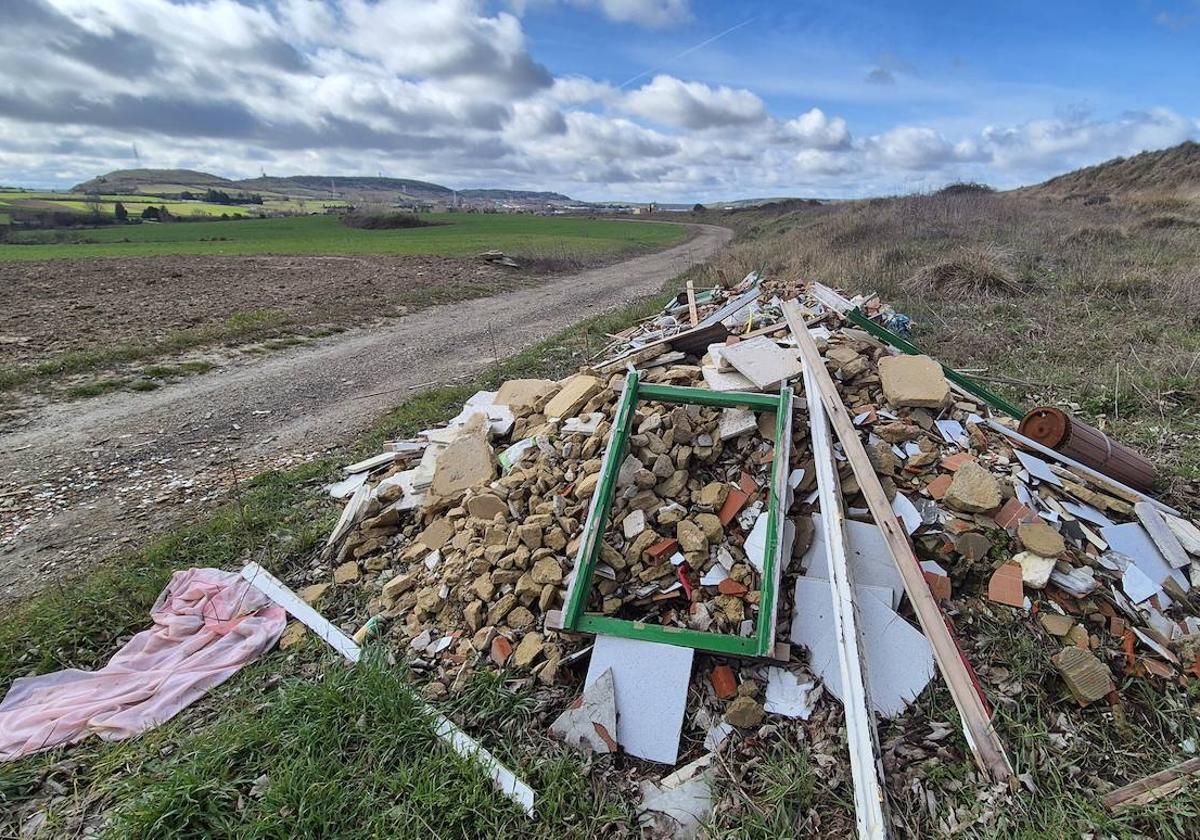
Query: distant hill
x=365, y=189
x=515, y=195
x=1166, y=173
x=136, y=180
x=320, y=186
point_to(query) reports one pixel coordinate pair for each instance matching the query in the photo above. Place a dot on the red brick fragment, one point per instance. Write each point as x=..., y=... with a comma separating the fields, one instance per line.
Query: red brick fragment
x=663, y=548
x=723, y=681
x=502, y=648
x=729, y=586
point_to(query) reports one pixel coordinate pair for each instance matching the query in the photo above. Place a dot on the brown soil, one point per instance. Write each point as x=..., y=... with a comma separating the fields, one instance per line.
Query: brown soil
x=57, y=306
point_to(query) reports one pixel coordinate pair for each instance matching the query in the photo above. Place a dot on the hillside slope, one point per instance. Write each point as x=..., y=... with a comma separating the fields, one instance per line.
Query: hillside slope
x=1165, y=173
x=137, y=180
x=353, y=188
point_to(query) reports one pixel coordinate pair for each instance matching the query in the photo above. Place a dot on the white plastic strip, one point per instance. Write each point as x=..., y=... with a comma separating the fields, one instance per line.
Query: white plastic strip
x=505, y=780
x=866, y=766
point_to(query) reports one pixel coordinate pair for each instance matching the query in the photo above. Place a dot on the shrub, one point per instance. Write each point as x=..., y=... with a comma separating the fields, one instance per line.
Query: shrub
x=383, y=221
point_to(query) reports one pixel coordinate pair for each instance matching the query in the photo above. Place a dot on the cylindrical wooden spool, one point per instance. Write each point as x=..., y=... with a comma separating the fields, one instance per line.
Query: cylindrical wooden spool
x=1056, y=429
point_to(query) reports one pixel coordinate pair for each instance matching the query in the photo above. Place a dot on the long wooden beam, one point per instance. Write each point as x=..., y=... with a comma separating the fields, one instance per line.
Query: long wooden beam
x=866, y=766
x=981, y=737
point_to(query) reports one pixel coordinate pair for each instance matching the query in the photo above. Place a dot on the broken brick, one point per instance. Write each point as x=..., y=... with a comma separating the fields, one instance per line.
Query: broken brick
x=723, y=681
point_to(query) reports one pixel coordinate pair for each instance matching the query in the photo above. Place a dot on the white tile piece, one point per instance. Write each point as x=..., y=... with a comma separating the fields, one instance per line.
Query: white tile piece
x=867, y=554
x=899, y=660
x=345, y=488
x=1131, y=539
x=717, y=735
x=652, y=682
x=1037, y=468
x=756, y=543
x=1137, y=586
x=953, y=432
x=788, y=695
x=909, y=515
x=1086, y=513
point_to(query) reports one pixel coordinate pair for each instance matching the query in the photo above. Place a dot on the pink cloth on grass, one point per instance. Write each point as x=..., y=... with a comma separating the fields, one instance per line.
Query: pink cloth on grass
x=207, y=625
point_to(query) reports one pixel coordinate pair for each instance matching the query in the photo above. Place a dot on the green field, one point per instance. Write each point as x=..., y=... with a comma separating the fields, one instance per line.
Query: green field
x=11, y=200
x=455, y=234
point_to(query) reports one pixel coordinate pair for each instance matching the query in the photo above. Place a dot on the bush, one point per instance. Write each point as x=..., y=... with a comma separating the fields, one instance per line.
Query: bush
x=970, y=272
x=383, y=221
x=966, y=188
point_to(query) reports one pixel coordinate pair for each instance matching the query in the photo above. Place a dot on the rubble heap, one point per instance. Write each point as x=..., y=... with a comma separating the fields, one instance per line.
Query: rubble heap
x=463, y=539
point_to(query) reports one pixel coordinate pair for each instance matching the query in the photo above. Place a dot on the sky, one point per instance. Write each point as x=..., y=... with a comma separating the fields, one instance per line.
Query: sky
x=638, y=100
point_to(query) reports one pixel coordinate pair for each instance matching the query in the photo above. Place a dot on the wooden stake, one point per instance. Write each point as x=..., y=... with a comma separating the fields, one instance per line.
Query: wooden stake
x=1147, y=790
x=981, y=737
x=691, y=296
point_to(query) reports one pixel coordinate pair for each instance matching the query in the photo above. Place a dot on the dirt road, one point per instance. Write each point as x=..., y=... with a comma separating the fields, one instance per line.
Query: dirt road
x=85, y=479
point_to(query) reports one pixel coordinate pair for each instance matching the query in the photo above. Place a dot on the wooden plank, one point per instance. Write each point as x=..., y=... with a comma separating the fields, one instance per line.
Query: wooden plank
x=980, y=735
x=1153, y=787
x=1108, y=484
x=866, y=764
x=693, y=315
x=1163, y=537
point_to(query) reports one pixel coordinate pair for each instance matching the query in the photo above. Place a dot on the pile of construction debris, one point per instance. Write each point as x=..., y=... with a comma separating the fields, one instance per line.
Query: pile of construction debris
x=902, y=490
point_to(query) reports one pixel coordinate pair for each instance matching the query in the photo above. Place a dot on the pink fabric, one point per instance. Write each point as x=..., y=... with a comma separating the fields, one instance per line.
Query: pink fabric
x=207, y=625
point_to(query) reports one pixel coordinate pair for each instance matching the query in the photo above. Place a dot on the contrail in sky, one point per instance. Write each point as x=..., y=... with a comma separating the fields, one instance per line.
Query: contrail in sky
x=689, y=51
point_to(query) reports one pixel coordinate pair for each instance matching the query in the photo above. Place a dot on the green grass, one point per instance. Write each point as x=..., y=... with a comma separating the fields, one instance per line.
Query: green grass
x=134, y=204
x=456, y=234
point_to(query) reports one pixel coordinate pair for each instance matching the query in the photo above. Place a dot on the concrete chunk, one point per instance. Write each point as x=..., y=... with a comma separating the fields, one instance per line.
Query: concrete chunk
x=913, y=381
x=763, y=362
x=575, y=392
x=523, y=394
x=973, y=490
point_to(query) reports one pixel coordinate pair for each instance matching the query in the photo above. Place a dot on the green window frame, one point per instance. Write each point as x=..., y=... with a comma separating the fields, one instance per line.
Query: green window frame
x=762, y=643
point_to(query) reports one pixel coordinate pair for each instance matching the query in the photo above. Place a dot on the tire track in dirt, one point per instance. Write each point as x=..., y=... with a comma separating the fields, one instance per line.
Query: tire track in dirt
x=85, y=479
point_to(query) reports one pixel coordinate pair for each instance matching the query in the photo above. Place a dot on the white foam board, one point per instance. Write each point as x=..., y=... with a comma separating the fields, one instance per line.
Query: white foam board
x=867, y=554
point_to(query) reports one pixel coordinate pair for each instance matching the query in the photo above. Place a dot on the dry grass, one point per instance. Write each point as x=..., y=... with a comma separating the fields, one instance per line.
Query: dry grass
x=1097, y=306
x=970, y=272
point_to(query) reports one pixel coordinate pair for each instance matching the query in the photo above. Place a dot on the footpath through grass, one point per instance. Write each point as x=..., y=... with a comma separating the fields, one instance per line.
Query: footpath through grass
x=452, y=235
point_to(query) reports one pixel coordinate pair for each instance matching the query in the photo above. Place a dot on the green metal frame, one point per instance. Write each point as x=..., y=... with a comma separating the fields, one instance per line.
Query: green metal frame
x=762, y=643
x=971, y=386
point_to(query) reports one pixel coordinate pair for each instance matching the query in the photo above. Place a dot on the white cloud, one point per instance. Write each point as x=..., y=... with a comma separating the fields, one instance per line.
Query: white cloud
x=449, y=91
x=918, y=147
x=1070, y=141
x=654, y=13
x=672, y=101
x=815, y=130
